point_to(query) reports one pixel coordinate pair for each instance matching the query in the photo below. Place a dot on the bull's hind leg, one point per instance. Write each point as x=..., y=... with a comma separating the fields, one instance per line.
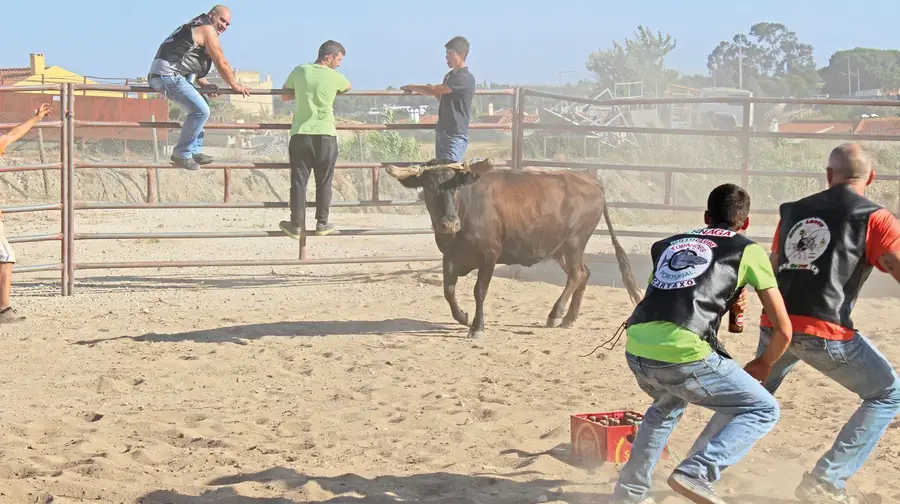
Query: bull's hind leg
x=577, y=296
x=485, y=273
x=450, y=278
x=570, y=261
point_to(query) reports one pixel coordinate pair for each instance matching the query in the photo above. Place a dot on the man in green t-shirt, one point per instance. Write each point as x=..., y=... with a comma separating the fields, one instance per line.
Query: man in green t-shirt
x=313, y=145
x=676, y=358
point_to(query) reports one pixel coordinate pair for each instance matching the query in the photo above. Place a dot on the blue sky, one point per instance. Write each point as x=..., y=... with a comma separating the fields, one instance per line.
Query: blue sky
x=400, y=42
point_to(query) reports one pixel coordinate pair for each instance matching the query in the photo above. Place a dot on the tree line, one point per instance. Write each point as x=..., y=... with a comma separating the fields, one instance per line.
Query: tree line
x=768, y=60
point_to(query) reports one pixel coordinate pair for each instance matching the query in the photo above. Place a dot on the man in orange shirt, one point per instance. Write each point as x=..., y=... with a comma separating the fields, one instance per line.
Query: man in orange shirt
x=7, y=256
x=824, y=249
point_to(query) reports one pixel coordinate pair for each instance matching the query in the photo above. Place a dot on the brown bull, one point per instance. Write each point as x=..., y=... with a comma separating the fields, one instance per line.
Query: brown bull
x=483, y=217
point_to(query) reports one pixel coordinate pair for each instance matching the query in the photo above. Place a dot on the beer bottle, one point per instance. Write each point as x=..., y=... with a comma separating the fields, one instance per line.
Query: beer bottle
x=736, y=319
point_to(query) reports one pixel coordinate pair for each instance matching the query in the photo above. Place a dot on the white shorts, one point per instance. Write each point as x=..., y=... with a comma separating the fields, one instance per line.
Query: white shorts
x=7, y=255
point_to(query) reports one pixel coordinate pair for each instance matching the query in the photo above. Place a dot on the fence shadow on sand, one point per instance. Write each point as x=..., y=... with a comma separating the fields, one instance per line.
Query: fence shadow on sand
x=241, y=334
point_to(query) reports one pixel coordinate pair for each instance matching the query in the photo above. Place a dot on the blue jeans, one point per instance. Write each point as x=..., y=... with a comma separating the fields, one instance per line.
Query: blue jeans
x=715, y=383
x=450, y=146
x=860, y=368
x=180, y=91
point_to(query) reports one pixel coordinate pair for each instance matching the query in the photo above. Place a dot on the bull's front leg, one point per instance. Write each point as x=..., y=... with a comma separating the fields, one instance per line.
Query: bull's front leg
x=450, y=278
x=485, y=273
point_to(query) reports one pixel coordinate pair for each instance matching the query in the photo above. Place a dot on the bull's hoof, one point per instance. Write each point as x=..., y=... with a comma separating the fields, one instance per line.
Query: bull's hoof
x=554, y=322
x=462, y=318
x=567, y=322
x=476, y=333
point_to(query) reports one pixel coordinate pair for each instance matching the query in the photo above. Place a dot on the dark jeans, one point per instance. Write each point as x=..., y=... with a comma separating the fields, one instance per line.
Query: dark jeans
x=317, y=154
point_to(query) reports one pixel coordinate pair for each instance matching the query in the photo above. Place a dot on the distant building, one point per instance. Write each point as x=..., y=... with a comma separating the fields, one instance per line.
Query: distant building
x=263, y=105
x=38, y=73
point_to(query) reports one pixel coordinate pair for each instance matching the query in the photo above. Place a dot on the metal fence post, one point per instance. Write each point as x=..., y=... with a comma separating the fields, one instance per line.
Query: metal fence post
x=514, y=128
x=518, y=130
x=64, y=190
x=227, y=183
x=70, y=169
x=152, y=175
x=745, y=145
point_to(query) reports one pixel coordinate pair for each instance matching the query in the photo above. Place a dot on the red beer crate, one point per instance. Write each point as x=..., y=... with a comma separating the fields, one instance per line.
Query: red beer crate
x=596, y=443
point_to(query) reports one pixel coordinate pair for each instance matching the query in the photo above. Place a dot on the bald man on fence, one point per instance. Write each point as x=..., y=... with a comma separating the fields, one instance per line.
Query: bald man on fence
x=824, y=249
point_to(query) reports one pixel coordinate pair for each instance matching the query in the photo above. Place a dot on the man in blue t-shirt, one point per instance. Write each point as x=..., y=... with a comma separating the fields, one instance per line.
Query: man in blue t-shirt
x=455, y=109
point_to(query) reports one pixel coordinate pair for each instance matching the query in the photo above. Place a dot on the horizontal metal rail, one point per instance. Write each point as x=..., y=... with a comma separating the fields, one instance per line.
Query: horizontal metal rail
x=275, y=126
x=764, y=240
x=258, y=262
x=681, y=169
x=713, y=99
x=250, y=166
x=31, y=208
x=37, y=87
x=583, y=128
x=251, y=204
x=37, y=267
x=275, y=92
x=40, y=125
x=244, y=234
x=35, y=238
x=360, y=232
x=27, y=168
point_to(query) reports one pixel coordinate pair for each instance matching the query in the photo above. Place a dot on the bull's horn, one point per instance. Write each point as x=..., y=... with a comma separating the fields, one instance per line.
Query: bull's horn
x=402, y=173
x=481, y=165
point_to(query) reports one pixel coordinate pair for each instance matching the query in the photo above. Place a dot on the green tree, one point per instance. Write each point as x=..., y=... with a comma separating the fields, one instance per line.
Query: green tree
x=694, y=81
x=639, y=59
x=876, y=68
x=773, y=60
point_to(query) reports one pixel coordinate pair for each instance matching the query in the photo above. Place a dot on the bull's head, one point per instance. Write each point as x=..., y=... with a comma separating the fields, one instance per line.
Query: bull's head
x=440, y=182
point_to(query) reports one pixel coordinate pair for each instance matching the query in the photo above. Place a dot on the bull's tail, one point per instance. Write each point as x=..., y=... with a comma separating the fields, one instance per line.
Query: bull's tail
x=622, y=259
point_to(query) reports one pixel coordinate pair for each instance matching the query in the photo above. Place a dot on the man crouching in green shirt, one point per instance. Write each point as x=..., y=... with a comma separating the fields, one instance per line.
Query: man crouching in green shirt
x=676, y=359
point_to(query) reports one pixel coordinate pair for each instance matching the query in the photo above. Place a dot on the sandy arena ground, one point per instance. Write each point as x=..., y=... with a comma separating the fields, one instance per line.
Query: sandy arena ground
x=345, y=384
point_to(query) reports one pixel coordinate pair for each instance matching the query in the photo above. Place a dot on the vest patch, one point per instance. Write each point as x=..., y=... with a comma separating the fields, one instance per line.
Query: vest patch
x=682, y=262
x=805, y=242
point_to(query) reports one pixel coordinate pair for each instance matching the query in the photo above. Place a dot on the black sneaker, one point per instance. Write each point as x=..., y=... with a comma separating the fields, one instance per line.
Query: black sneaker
x=186, y=163
x=9, y=316
x=291, y=230
x=203, y=159
x=694, y=489
x=324, y=228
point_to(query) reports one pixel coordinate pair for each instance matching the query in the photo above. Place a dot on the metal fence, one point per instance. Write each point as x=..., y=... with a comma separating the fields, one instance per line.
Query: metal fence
x=68, y=164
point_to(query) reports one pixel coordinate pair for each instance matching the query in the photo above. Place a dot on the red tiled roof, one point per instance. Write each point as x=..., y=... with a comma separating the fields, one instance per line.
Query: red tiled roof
x=817, y=127
x=12, y=75
x=505, y=119
x=879, y=126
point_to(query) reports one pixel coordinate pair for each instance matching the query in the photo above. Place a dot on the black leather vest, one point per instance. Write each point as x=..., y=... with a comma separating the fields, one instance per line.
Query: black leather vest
x=694, y=281
x=822, y=262
x=180, y=50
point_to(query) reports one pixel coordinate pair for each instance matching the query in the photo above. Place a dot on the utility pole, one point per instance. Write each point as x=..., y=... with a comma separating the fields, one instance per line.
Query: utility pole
x=740, y=67
x=849, y=82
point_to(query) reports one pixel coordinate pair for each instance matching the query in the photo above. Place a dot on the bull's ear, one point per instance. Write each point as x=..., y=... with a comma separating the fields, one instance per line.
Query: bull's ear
x=408, y=177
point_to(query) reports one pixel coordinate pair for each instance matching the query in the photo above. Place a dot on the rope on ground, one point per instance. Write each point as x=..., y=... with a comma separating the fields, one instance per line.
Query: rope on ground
x=678, y=459
x=858, y=490
x=616, y=337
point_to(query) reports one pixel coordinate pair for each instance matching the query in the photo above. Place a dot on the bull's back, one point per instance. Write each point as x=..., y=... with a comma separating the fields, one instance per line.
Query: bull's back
x=530, y=215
